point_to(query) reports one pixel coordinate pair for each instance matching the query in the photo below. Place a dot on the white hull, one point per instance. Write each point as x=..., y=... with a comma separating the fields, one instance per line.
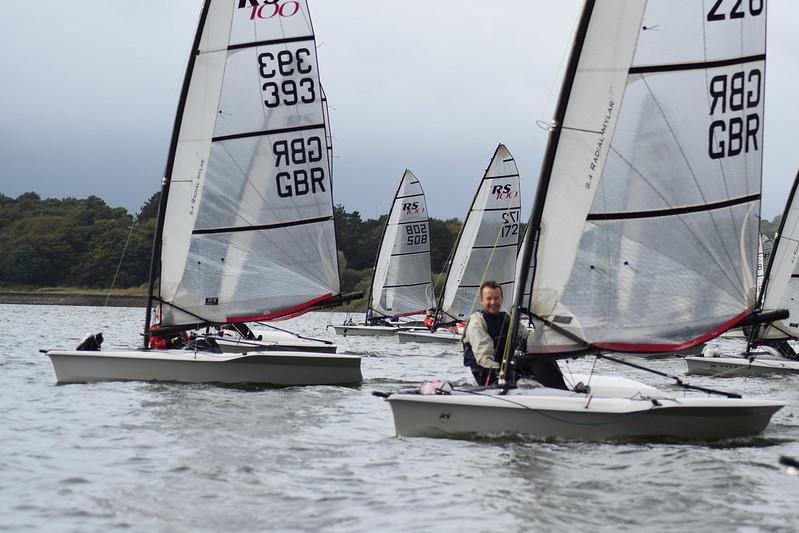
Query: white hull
x=740, y=366
x=271, y=368
x=424, y=336
x=604, y=415
x=371, y=331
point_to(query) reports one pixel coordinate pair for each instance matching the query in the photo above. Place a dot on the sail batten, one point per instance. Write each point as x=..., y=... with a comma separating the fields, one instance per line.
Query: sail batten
x=702, y=65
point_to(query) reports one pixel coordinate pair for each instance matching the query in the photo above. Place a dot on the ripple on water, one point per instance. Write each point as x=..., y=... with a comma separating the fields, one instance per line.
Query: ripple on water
x=206, y=458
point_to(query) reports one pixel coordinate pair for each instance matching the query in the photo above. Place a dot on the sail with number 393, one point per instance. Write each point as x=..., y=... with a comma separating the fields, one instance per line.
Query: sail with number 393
x=246, y=227
x=644, y=232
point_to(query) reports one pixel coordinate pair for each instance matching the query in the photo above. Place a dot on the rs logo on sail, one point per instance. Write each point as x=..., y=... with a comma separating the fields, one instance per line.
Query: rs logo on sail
x=412, y=208
x=267, y=9
x=503, y=192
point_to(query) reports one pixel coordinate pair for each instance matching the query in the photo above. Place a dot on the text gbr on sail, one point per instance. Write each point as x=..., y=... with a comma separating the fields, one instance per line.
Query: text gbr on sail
x=299, y=181
x=738, y=93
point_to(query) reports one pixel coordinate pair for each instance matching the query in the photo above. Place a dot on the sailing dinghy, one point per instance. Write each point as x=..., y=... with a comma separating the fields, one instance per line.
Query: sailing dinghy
x=245, y=230
x=643, y=234
x=767, y=346
x=402, y=281
x=486, y=249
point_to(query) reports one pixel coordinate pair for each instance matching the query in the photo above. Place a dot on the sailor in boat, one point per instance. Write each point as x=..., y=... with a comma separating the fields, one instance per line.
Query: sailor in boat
x=162, y=342
x=485, y=338
x=429, y=317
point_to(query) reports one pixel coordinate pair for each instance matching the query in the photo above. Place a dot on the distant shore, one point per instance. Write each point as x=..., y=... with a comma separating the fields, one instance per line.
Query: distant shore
x=66, y=298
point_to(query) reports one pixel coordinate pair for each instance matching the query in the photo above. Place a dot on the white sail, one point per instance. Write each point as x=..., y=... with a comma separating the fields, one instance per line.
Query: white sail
x=489, y=241
x=781, y=289
x=402, y=283
x=248, y=228
x=648, y=234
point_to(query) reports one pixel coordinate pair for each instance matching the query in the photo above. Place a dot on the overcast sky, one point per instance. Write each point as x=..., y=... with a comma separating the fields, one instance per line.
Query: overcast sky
x=89, y=91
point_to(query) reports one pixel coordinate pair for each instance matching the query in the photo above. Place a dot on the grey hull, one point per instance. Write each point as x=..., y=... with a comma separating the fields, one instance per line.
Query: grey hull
x=369, y=331
x=273, y=368
x=734, y=366
x=575, y=417
x=427, y=337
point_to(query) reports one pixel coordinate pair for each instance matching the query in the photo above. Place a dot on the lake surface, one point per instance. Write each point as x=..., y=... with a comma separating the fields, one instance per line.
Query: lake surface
x=171, y=457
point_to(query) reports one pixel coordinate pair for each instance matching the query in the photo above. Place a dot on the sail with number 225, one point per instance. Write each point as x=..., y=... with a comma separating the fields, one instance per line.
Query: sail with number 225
x=648, y=228
x=643, y=235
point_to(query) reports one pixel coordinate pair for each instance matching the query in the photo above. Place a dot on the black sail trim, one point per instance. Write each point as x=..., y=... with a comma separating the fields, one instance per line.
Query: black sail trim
x=241, y=46
x=654, y=213
x=501, y=177
x=411, y=253
x=407, y=285
x=237, y=229
x=409, y=196
x=413, y=222
x=508, y=209
x=495, y=247
x=478, y=286
x=697, y=66
x=267, y=132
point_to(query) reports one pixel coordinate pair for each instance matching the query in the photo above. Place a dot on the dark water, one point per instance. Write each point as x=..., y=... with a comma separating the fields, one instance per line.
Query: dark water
x=168, y=457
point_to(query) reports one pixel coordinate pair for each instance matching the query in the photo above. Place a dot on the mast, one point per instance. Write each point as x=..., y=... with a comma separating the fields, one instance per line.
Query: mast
x=534, y=223
x=155, y=262
x=761, y=296
x=380, y=249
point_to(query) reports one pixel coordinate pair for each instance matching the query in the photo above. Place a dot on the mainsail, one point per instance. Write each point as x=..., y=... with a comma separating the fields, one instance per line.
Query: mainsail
x=402, y=283
x=489, y=240
x=781, y=287
x=644, y=231
x=248, y=216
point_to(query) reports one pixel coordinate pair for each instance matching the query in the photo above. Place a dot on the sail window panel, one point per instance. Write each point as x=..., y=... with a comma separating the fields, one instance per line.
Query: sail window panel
x=280, y=80
x=665, y=279
x=409, y=301
x=679, y=32
x=256, y=273
x=260, y=20
x=267, y=180
x=666, y=142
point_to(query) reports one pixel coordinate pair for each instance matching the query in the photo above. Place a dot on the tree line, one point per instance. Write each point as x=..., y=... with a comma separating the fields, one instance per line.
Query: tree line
x=85, y=243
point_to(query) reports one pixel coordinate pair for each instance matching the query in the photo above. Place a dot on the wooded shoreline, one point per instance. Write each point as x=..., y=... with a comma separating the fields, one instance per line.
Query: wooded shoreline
x=63, y=298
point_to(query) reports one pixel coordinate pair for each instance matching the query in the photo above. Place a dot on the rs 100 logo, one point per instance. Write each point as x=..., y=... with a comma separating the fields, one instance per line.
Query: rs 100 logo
x=503, y=192
x=270, y=8
x=412, y=208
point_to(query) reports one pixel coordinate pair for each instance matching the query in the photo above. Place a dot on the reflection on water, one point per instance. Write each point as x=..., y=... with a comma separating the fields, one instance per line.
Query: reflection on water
x=199, y=457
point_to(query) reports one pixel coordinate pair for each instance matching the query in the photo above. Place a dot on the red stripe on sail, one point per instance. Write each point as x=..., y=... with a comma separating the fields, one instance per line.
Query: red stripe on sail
x=654, y=348
x=290, y=312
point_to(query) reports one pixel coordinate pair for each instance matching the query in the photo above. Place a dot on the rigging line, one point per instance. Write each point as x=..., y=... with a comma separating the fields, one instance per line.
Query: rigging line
x=691, y=231
x=693, y=175
x=678, y=380
x=119, y=265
